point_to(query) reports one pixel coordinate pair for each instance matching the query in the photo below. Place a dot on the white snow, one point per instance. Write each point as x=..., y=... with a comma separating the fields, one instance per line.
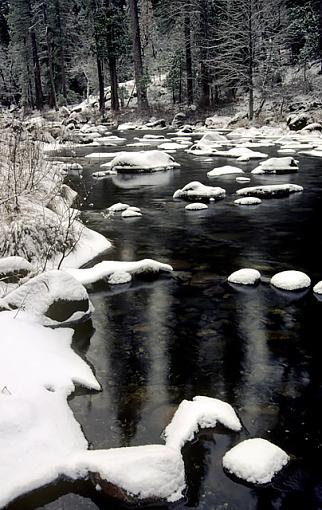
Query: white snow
x=143, y=161
x=225, y=170
x=317, y=153
x=167, y=146
x=130, y=212
x=119, y=207
x=37, y=295
x=108, y=267
x=248, y=201
x=102, y=155
x=245, y=276
x=89, y=245
x=196, y=150
x=201, y=412
x=270, y=190
x=14, y=264
x=277, y=165
x=242, y=179
x=291, y=280
x=38, y=433
x=255, y=460
x=153, y=472
x=103, y=173
x=127, y=126
x=196, y=206
x=318, y=288
x=196, y=190
x=241, y=153
x=119, y=277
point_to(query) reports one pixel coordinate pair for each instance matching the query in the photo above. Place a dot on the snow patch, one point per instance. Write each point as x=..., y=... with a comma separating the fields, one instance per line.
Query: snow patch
x=291, y=280
x=245, y=276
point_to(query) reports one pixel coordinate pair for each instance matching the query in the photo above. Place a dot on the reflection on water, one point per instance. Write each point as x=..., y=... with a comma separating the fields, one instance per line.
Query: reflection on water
x=158, y=342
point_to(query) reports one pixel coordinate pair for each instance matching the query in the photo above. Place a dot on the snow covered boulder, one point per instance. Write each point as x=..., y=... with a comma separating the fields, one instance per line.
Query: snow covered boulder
x=241, y=154
x=212, y=139
x=131, y=212
x=146, y=161
x=196, y=206
x=277, y=166
x=53, y=298
x=255, y=461
x=119, y=277
x=248, y=201
x=155, y=124
x=100, y=174
x=270, y=191
x=314, y=126
x=178, y=120
x=106, y=268
x=127, y=126
x=12, y=269
x=136, y=475
x=198, y=150
x=291, y=280
x=225, y=170
x=201, y=412
x=297, y=122
x=245, y=277
x=317, y=289
x=119, y=207
x=195, y=191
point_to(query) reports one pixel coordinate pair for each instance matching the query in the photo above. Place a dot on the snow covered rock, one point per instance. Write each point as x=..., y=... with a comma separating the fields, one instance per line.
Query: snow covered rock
x=103, y=173
x=198, y=150
x=53, y=298
x=201, y=412
x=212, y=139
x=297, y=122
x=138, y=474
x=155, y=124
x=291, y=280
x=241, y=154
x=270, y=191
x=277, y=166
x=197, y=191
x=12, y=269
x=248, y=201
x=119, y=207
x=178, y=120
x=119, y=277
x=196, y=206
x=242, y=179
x=130, y=212
x=107, y=267
x=317, y=153
x=255, y=460
x=314, y=126
x=245, y=276
x=146, y=161
x=127, y=126
x=224, y=170
x=170, y=146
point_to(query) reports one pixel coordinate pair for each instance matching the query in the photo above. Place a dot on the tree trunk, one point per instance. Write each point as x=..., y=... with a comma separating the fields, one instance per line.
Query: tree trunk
x=100, y=74
x=250, y=65
x=141, y=88
x=187, y=38
x=203, y=41
x=53, y=97
x=115, y=105
x=38, y=87
x=320, y=34
x=61, y=49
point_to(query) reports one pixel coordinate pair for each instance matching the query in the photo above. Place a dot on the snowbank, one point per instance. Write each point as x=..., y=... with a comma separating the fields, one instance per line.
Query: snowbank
x=277, y=166
x=269, y=191
x=197, y=191
x=255, y=460
x=145, y=161
x=291, y=280
x=248, y=201
x=225, y=170
x=201, y=412
x=38, y=433
x=245, y=276
x=108, y=267
x=140, y=473
x=196, y=206
x=53, y=298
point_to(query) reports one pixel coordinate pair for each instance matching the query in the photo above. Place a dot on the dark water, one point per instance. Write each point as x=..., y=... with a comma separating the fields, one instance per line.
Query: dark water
x=154, y=343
